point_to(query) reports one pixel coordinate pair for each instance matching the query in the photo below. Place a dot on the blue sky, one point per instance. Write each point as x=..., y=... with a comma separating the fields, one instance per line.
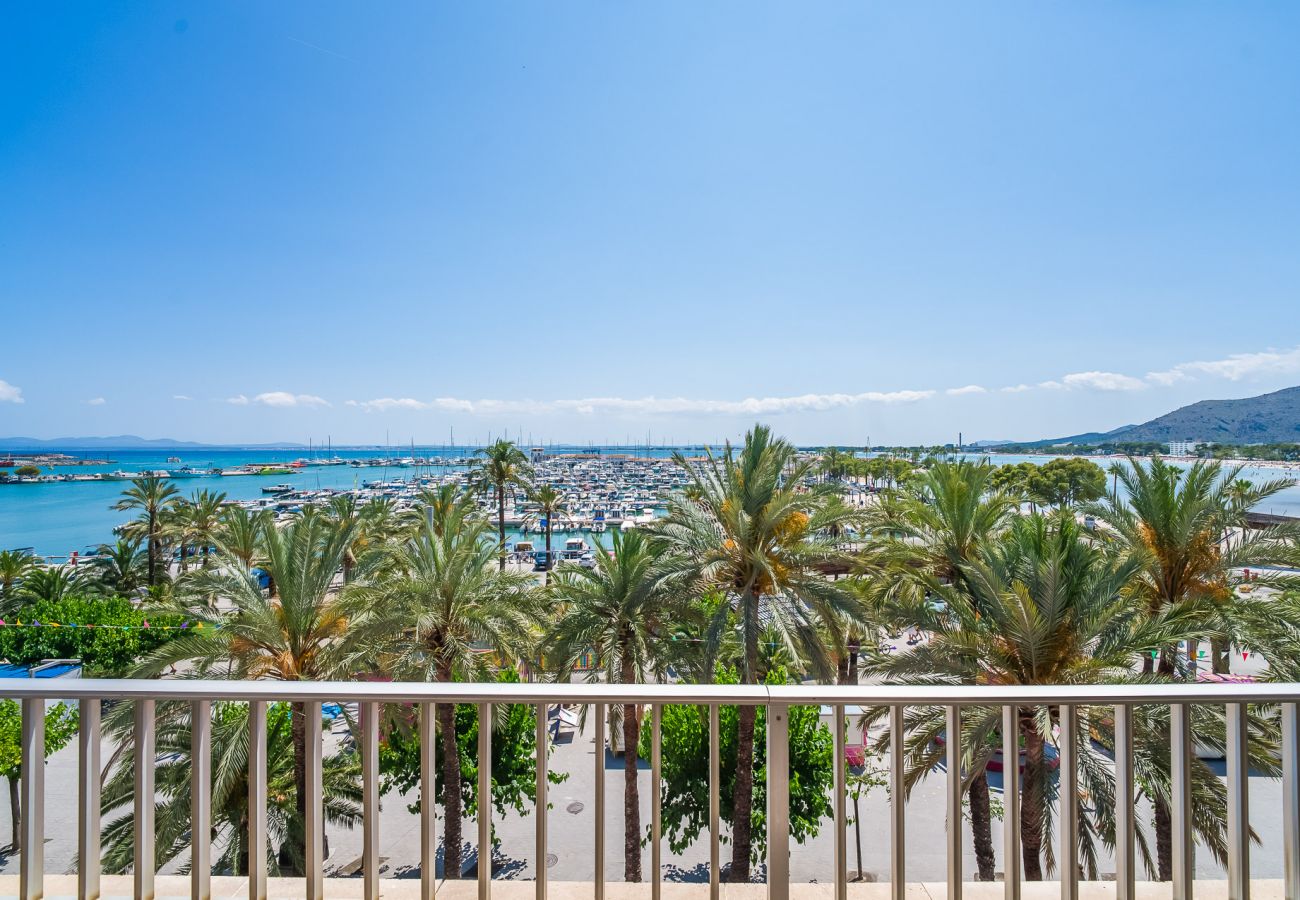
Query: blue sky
x=583, y=221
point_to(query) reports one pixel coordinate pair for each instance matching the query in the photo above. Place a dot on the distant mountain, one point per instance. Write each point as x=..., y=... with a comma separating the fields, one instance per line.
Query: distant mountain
x=1267, y=419
x=114, y=442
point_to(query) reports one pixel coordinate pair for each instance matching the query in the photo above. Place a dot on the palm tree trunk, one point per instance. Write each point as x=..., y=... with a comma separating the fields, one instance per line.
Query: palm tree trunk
x=1163, y=816
x=501, y=524
x=548, y=549
x=1031, y=807
x=982, y=826
x=631, y=796
x=1219, y=649
x=742, y=800
x=451, y=838
x=152, y=544
x=297, y=828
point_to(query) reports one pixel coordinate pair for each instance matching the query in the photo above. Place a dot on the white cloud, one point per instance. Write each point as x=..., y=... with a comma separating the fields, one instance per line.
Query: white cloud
x=1234, y=367
x=968, y=389
x=284, y=398
x=1016, y=388
x=751, y=406
x=181, y=397
x=279, y=399
x=1051, y=385
x=96, y=401
x=10, y=393
x=1103, y=381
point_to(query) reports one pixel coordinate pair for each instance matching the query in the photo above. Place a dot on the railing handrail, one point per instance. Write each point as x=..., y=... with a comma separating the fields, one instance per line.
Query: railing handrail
x=689, y=694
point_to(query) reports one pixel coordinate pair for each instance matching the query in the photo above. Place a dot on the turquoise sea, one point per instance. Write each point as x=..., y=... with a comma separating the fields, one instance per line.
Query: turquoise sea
x=56, y=519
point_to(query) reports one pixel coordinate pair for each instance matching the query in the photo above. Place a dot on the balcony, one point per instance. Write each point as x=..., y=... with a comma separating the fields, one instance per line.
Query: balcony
x=88, y=882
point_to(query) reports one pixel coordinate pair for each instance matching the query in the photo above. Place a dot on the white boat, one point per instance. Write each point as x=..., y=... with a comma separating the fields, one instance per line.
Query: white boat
x=276, y=488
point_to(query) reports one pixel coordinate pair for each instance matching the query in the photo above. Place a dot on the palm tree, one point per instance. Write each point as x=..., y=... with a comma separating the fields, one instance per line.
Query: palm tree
x=503, y=469
x=933, y=529
x=550, y=503
x=51, y=584
x=616, y=611
x=752, y=529
x=229, y=797
x=1190, y=528
x=239, y=534
x=15, y=565
x=192, y=524
x=298, y=635
x=153, y=497
x=122, y=567
x=439, y=602
x=1054, y=608
x=377, y=522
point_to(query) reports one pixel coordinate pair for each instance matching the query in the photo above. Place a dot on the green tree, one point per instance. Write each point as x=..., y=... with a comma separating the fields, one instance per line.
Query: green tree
x=502, y=470
x=933, y=529
x=121, y=568
x=550, y=503
x=108, y=634
x=340, y=785
x=154, y=498
x=1189, y=528
x=239, y=534
x=752, y=529
x=15, y=565
x=49, y=584
x=1068, y=482
x=438, y=602
x=60, y=726
x=684, y=732
x=27, y=471
x=301, y=634
x=514, y=752
x=616, y=611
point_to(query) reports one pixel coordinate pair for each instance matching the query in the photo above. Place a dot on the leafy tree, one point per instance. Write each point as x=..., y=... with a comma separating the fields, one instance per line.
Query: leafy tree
x=27, y=471
x=437, y=602
x=503, y=469
x=754, y=530
x=514, y=753
x=107, y=634
x=340, y=784
x=154, y=497
x=1068, y=482
x=60, y=726
x=684, y=734
x=50, y=584
x=616, y=611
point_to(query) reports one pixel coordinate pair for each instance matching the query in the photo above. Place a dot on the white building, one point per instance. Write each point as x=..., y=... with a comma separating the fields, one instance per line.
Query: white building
x=1184, y=448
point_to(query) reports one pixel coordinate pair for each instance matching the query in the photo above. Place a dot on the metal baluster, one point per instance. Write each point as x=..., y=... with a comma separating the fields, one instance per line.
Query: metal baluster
x=428, y=801
x=144, y=800
x=542, y=790
x=484, y=801
x=1068, y=855
x=1180, y=776
x=314, y=830
x=598, y=881
x=656, y=800
x=1125, y=829
x=953, y=754
x=839, y=793
x=31, y=865
x=88, y=791
x=778, y=801
x=898, y=806
x=257, y=846
x=370, y=798
x=715, y=882
x=1291, y=799
x=200, y=799
x=1011, y=802
x=1238, y=803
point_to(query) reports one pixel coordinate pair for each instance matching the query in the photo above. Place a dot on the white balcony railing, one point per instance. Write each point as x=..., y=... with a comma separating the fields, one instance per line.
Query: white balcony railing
x=777, y=701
